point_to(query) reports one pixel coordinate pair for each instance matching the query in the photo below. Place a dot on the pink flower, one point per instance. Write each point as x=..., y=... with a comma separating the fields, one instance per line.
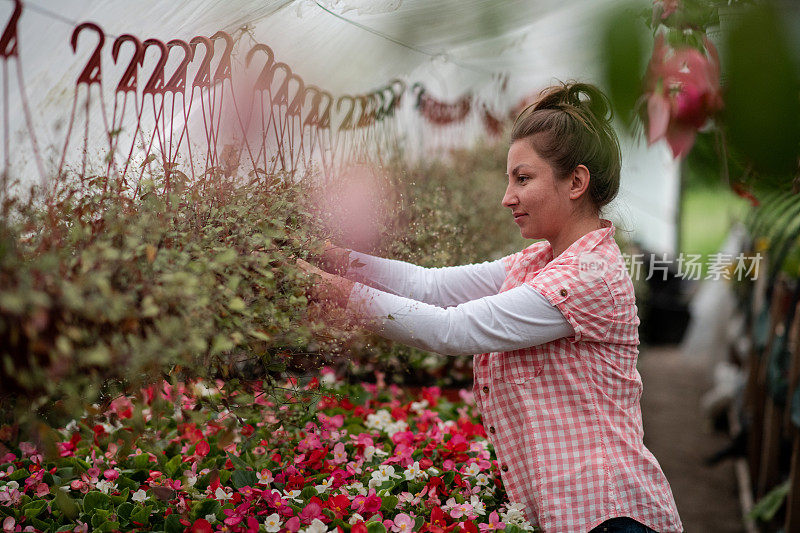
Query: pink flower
x=42, y=490
x=110, y=474
x=293, y=524
x=683, y=92
x=9, y=524
x=366, y=504
x=403, y=523
x=122, y=407
x=494, y=523
x=311, y=511
x=668, y=7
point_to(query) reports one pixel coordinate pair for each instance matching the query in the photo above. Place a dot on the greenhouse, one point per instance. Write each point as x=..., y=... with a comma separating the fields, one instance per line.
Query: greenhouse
x=398, y=265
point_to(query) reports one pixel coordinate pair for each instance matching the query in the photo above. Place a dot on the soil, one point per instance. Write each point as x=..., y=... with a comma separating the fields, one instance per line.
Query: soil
x=681, y=438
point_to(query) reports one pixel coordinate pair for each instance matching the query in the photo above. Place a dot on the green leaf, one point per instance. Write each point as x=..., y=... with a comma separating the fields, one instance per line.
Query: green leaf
x=762, y=105
x=95, y=500
x=173, y=465
x=388, y=503
x=125, y=510
x=173, y=524
x=66, y=504
x=244, y=478
x=375, y=527
x=624, y=57
x=205, y=507
x=33, y=508
x=766, y=508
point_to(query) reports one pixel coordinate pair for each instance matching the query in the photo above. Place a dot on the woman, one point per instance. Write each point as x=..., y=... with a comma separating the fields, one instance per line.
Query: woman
x=555, y=327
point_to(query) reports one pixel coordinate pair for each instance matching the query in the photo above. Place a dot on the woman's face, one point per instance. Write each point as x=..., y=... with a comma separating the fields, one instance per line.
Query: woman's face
x=539, y=202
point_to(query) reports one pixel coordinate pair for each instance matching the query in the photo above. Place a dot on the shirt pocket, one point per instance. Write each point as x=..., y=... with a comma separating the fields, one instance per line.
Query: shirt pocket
x=519, y=366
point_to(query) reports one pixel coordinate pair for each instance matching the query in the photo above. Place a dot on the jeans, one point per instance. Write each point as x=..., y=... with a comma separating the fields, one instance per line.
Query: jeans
x=622, y=525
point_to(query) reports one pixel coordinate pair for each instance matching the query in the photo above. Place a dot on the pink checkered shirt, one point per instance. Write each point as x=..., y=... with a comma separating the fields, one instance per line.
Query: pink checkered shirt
x=564, y=417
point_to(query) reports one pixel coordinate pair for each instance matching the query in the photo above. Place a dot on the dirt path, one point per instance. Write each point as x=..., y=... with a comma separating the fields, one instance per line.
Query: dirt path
x=677, y=433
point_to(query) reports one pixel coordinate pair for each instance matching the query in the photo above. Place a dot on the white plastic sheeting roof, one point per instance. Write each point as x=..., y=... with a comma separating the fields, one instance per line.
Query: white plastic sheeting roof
x=351, y=46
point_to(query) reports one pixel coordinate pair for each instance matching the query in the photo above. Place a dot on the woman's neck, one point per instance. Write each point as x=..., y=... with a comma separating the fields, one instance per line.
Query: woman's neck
x=575, y=231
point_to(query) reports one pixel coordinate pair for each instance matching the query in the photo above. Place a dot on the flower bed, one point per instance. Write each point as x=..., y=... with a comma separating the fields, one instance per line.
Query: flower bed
x=367, y=459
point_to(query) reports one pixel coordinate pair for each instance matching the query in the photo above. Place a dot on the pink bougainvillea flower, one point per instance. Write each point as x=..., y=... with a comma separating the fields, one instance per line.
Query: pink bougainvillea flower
x=683, y=93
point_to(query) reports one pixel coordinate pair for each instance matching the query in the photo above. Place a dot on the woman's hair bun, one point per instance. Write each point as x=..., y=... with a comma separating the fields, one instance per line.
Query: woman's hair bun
x=584, y=98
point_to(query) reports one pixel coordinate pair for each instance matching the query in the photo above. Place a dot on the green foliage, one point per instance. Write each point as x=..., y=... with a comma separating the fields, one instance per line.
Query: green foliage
x=625, y=45
x=762, y=103
x=766, y=508
x=103, y=293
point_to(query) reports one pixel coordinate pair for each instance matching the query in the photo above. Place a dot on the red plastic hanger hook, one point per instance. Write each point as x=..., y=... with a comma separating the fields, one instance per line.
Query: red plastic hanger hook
x=129, y=80
x=91, y=72
x=8, y=42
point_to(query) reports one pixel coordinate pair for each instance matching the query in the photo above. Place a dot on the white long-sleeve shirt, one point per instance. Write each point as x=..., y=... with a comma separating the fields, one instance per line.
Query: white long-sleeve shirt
x=451, y=310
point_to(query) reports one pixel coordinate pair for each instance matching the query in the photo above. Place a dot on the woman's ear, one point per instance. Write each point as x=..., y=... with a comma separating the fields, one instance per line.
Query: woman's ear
x=579, y=183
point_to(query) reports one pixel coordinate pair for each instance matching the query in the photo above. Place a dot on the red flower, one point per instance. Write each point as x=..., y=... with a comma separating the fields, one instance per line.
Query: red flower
x=201, y=525
x=202, y=448
x=359, y=527
x=339, y=504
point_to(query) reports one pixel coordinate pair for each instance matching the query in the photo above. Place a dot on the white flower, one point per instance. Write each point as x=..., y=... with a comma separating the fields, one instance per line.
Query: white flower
x=356, y=486
x=211, y=518
x=292, y=495
x=139, y=496
x=481, y=479
x=379, y=420
x=355, y=518
x=382, y=474
x=326, y=484
x=317, y=526
x=419, y=406
x=273, y=523
x=13, y=485
x=396, y=427
x=472, y=470
x=191, y=480
x=105, y=486
x=369, y=451
x=220, y=494
x=477, y=505
x=413, y=472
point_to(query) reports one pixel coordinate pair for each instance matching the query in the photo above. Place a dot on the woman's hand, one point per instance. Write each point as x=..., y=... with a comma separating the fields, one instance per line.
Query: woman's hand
x=331, y=288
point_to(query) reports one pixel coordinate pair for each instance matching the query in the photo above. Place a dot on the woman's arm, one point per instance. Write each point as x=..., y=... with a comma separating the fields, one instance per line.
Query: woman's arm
x=442, y=287
x=512, y=320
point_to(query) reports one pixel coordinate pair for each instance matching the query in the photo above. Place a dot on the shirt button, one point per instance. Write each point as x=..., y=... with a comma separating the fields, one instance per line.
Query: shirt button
x=504, y=468
x=491, y=430
x=563, y=292
x=485, y=389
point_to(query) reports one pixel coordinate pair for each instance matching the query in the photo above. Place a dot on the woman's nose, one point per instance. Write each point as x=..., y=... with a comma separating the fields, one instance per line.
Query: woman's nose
x=509, y=199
